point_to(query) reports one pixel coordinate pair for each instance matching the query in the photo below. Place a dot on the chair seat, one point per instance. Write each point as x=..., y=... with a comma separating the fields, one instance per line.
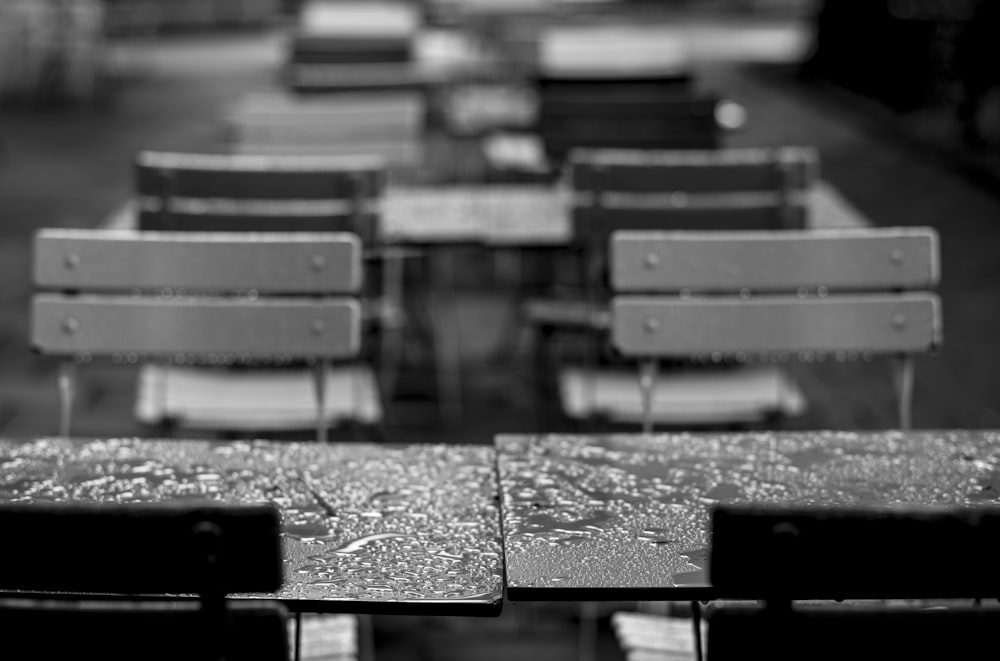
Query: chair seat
x=703, y=396
x=328, y=637
x=214, y=398
x=650, y=637
x=568, y=314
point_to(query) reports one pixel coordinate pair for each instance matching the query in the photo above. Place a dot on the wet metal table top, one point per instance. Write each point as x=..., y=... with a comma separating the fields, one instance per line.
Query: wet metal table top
x=367, y=528
x=626, y=517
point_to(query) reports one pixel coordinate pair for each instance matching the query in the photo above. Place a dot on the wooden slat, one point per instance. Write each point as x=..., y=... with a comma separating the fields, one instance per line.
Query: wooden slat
x=99, y=260
x=164, y=632
x=598, y=223
x=656, y=326
x=774, y=551
x=613, y=108
x=648, y=126
x=163, y=174
x=87, y=547
x=365, y=226
x=728, y=170
x=860, y=634
x=559, y=145
x=264, y=328
x=854, y=260
x=317, y=78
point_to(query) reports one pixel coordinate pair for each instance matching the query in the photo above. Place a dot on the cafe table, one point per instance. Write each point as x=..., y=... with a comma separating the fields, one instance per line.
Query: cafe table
x=626, y=517
x=367, y=529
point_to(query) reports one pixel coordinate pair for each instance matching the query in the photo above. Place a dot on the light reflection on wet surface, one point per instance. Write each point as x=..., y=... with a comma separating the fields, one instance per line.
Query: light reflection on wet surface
x=361, y=522
x=632, y=511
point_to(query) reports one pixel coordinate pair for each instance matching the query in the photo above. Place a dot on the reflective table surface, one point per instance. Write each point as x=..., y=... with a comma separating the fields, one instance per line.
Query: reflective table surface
x=367, y=528
x=626, y=517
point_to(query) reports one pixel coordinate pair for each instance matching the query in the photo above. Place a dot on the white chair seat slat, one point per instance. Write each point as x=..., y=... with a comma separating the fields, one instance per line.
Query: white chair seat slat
x=260, y=399
x=707, y=396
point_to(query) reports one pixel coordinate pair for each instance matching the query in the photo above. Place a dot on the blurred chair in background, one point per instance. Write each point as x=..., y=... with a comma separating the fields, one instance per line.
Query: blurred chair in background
x=211, y=306
x=744, y=302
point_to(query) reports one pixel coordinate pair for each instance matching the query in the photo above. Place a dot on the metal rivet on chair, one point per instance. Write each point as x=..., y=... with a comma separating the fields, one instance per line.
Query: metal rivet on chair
x=318, y=262
x=651, y=260
x=72, y=260
x=678, y=199
x=318, y=327
x=71, y=325
x=652, y=325
x=899, y=321
x=896, y=256
x=744, y=293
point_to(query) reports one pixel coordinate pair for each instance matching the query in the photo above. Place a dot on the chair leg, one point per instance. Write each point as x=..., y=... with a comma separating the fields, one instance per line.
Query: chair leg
x=319, y=384
x=696, y=624
x=903, y=369
x=297, y=652
x=647, y=384
x=67, y=395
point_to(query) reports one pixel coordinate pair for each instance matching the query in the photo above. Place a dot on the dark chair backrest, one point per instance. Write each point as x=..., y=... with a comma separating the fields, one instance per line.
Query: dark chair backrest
x=99, y=580
x=785, y=552
x=140, y=548
x=835, y=633
x=241, y=192
x=780, y=553
x=726, y=189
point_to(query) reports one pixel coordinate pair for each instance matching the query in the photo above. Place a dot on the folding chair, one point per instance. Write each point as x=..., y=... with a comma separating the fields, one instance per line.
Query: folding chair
x=760, y=297
x=730, y=189
x=101, y=580
x=345, y=45
x=221, y=300
x=780, y=553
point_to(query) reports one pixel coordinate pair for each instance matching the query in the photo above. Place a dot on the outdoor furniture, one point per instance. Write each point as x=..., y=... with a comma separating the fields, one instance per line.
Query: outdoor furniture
x=786, y=544
x=735, y=189
x=627, y=517
x=218, y=192
x=106, y=601
x=212, y=301
x=758, y=297
x=365, y=528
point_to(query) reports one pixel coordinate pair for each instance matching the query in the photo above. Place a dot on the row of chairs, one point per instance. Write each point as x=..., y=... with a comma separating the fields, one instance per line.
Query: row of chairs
x=754, y=201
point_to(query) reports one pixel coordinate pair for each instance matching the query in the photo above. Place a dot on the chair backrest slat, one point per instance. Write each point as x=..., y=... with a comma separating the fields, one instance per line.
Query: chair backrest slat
x=257, y=192
x=232, y=176
x=844, y=260
x=128, y=260
x=139, y=548
x=651, y=326
x=266, y=328
x=254, y=631
x=834, y=633
x=596, y=224
x=777, y=552
x=728, y=189
x=694, y=172
x=750, y=292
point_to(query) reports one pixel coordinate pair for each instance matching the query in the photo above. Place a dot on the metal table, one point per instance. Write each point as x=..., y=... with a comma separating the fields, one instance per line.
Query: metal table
x=625, y=517
x=367, y=528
